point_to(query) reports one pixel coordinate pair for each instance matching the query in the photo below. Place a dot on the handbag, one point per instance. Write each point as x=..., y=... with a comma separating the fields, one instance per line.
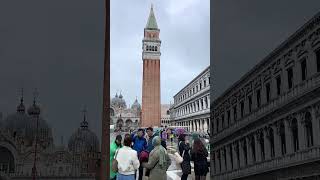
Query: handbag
x=178, y=159
x=114, y=165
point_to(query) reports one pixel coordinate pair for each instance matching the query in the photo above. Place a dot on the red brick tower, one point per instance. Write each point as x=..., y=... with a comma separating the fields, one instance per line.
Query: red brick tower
x=151, y=74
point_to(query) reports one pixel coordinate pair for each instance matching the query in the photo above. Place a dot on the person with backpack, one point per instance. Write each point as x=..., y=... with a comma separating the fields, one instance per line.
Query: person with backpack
x=115, y=145
x=184, y=151
x=139, y=145
x=159, y=161
x=127, y=161
x=199, y=154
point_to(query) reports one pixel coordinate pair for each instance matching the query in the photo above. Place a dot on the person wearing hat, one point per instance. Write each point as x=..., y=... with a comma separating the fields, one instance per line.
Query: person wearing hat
x=115, y=145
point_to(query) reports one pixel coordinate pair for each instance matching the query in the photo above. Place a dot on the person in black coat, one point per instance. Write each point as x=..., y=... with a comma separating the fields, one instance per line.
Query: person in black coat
x=199, y=155
x=184, y=151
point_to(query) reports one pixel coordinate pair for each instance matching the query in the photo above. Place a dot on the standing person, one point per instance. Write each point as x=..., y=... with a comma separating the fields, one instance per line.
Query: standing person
x=159, y=161
x=115, y=145
x=150, y=145
x=184, y=150
x=128, y=161
x=140, y=144
x=199, y=156
x=150, y=138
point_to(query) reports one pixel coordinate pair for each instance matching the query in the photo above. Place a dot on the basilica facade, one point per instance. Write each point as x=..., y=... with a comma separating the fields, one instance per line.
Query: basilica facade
x=191, y=107
x=26, y=141
x=122, y=117
x=267, y=124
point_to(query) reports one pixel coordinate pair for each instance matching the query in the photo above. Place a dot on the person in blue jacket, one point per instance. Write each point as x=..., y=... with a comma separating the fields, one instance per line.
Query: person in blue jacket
x=139, y=144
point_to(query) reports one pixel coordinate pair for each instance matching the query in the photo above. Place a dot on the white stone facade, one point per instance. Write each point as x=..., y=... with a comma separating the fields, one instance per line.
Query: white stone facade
x=191, y=106
x=266, y=125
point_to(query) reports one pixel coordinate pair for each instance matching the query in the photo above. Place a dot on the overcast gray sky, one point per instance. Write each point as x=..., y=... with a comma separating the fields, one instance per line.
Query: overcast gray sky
x=246, y=31
x=185, y=34
x=58, y=47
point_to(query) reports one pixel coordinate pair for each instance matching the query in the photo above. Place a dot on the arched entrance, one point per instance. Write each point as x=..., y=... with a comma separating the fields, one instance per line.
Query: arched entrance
x=6, y=161
x=120, y=124
x=129, y=124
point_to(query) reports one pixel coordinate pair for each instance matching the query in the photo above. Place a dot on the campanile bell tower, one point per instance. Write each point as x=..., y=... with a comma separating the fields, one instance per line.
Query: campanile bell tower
x=151, y=73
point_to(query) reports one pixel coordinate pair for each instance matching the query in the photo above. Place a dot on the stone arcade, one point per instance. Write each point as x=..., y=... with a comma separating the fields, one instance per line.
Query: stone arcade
x=191, y=106
x=266, y=125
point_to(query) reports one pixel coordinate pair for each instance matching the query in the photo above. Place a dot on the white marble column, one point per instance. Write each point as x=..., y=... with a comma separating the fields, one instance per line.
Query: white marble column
x=315, y=112
x=257, y=146
x=249, y=150
x=204, y=103
x=277, y=140
x=218, y=162
x=301, y=131
x=267, y=145
x=241, y=153
x=288, y=135
x=222, y=158
x=229, y=165
x=234, y=154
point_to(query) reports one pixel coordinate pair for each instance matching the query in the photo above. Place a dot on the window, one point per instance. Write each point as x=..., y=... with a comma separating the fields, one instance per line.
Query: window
x=250, y=103
x=303, y=69
x=200, y=86
x=235, y=112
x=228, y=117
x=318, y=60
x=209, y=80
x=290, y=77
x=204, y=83
x=242, y=108
x=222, y=121
x=258, y=98
x=278, y=79
x=156, y=48
x=268, y=92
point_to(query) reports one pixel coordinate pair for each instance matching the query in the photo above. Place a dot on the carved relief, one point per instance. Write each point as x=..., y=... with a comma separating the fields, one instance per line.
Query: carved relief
x=301, y=48
x=314, y=37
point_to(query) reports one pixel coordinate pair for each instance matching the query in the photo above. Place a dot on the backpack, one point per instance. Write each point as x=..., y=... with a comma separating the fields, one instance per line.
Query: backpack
x=114, y=165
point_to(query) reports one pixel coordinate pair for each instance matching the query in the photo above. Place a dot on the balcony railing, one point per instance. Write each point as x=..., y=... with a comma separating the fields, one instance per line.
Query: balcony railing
x=294, y=93
x=300, y=157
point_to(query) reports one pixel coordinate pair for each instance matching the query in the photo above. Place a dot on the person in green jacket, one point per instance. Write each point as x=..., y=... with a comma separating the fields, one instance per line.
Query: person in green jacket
x=113, y=148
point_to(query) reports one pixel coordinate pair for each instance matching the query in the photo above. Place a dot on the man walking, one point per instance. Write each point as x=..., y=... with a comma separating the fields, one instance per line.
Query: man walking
x=139, y=145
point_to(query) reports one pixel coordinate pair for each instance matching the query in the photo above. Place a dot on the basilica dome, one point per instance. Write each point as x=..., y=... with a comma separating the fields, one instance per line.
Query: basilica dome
x=83, y=140
x=118, y=102
x=136, y=106
x=22, y=125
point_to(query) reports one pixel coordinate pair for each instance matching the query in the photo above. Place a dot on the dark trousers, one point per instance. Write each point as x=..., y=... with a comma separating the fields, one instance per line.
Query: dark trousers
x=184, y=176
x=140, y=173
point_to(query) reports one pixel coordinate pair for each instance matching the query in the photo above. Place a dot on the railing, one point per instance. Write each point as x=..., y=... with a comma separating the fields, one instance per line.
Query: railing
x=294, y=93
x=300, y=157
x=207, y=88
x=203, y=111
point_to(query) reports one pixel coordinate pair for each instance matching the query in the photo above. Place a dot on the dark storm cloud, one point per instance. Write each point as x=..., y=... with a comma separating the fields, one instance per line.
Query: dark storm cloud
x=57, y=47
x=246, y=31
x=184, y=31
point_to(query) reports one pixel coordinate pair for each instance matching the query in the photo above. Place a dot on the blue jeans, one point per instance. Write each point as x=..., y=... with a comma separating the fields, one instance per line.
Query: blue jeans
x=125, y=177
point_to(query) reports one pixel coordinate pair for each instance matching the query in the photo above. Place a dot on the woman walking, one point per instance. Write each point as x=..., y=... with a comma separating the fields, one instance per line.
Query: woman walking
x=199, y=156
x=159, y=161
x=184, y=150
x=128, y=162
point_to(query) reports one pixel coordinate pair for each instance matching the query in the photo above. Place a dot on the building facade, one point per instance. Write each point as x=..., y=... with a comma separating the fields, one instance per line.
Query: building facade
x=266, y=125
x=122, y=117
x=165, y=115
x=151, y=109
x=191, y=106
x=19, y=137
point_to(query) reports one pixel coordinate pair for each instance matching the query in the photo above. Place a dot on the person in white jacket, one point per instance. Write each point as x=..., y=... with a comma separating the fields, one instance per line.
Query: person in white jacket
x=128, y=161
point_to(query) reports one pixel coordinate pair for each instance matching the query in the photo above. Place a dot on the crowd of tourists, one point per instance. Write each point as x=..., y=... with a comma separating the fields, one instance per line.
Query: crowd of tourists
x=143, y=153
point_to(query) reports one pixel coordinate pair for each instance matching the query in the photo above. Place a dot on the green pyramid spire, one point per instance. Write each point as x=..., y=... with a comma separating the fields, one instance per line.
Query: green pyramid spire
x=152, y=23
